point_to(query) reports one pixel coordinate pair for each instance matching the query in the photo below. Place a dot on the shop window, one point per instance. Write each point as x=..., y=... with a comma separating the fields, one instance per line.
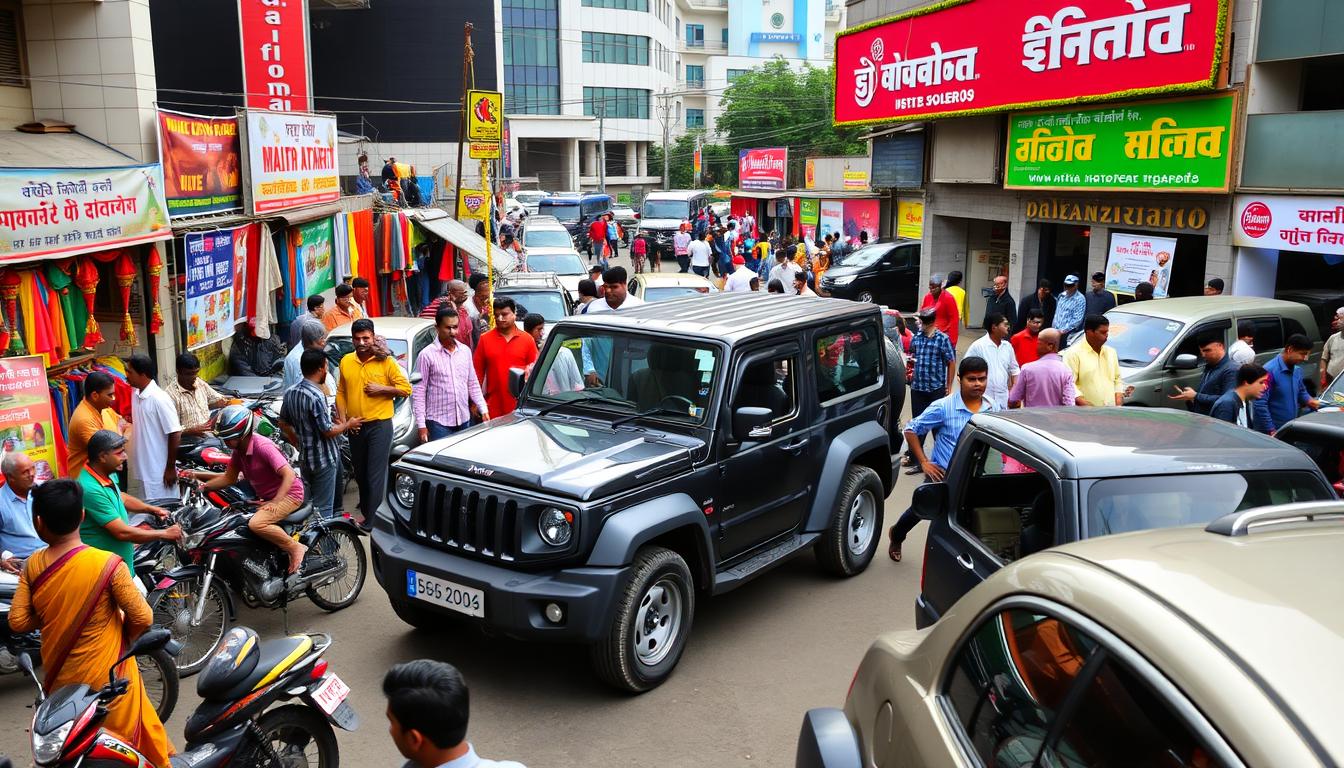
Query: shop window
x=11, y=45
x=1323, y=84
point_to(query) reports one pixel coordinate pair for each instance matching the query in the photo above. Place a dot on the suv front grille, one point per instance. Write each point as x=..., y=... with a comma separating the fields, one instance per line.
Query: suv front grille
x=473, y=522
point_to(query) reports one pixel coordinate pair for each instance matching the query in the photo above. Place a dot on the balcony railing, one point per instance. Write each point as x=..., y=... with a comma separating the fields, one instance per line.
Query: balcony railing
x=701, y=46
x=1283, y=151
x=707, y=4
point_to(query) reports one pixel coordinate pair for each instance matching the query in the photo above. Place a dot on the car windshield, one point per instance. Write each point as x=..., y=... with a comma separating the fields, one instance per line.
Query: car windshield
x=1139, y=339
x=559, y=263
x=863, y=257
x=624, y=372
x=548, y=303
x=665, y=209
x=565, y=212
x=674, y=292
x=548, y=238
x=527, y=198
x=1141, y=503
x=1334, y=394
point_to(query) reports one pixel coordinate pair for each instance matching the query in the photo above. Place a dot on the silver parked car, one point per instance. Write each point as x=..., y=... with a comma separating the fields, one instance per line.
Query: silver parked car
x=406, y=337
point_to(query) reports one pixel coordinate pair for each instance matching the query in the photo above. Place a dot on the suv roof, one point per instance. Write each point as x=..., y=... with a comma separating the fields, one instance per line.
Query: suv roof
x=569, y=197
x=1117, y=442
x=732, y=317
x=1190, y=308
x=529, y=280
x=676, y=194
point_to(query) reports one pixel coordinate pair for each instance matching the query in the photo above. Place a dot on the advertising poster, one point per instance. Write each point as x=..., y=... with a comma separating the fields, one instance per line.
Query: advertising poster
x=832, y=216
x=856, y=179
x=472, y=204
x=809, y=212
x=862, y=216
x=1304, y=224
x=291, y=160
x=25, y=413
x=216, y=263
x=311, y=248
x=485, y=115
x=1135, y=259
x=275, y=55
x=910, y=219
x=62, y=212
x=809, y=174
x=978, y=56
x=1156, y=146
x=201, y=168
x=762, y=168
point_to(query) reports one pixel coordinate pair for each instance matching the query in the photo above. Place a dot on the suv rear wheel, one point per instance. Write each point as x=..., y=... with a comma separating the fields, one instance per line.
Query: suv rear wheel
x=653, y=620
x=856, y=524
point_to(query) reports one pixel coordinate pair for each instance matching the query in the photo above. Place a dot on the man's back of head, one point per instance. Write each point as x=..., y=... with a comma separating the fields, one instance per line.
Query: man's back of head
x=428, y=706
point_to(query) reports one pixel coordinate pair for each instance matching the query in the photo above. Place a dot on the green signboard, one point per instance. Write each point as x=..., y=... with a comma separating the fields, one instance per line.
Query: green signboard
x=1175, y=145
x=810, y=210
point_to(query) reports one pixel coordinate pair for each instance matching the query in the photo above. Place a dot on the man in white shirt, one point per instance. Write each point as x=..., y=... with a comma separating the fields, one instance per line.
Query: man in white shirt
x=784, y=271
x=157, y=431
x=681, y=245
x=1242, y=351
x=700, y=252
x=740, y=279
x=995, y=349
x=597, y=351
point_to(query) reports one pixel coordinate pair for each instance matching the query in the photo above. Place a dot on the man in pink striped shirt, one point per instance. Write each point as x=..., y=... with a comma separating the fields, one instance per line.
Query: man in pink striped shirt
x=448, y=386
x=1046, y=382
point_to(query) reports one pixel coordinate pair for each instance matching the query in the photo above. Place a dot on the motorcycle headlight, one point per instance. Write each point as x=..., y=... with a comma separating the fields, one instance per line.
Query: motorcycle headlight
x=47, y=748
x=405, y=490
x=192, y=540
x=846, y=280
x=556, y=526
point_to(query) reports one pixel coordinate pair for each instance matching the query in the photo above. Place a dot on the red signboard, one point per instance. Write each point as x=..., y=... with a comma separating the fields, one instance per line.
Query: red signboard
x=275, y=54
x=972, y=56
x=762, y=168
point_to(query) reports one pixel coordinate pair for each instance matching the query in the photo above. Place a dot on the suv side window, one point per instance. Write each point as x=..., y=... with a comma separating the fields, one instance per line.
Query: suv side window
x=1291, y=326
x=1006, y=504
x=900, y=257
x=1268, y=334
x=847, y=362
x=1031, y=689
x=769, y=383
x=1190, y=344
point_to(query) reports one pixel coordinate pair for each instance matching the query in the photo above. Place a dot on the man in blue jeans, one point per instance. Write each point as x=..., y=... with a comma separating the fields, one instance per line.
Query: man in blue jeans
x=306, y=420
x=934, y=364
x=448, y=387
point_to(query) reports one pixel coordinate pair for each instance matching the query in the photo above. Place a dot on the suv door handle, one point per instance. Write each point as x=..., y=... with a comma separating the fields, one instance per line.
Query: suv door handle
x=966, y=562
x=796, y=446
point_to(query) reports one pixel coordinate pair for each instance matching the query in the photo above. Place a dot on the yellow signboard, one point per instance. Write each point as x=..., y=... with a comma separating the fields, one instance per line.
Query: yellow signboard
x=856, y=179
x=910, y=219
x=483, y=150
x=485, y=116
x=473, y=204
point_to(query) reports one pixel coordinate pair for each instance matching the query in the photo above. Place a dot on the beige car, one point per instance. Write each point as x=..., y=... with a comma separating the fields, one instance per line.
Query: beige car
x=660, y=286
x=1217, y=646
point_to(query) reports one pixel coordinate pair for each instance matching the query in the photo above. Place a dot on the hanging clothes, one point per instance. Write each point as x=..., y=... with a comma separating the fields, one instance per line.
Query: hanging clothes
x=340, y=246
x=37, y=331
x=76, y=316
x=269, y=280
x=352, y=242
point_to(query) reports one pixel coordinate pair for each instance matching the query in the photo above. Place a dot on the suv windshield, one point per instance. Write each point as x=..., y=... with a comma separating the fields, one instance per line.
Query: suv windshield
x=627, y=373
x=1141, y=503
x=548, y=238
x=563, y=212
x=559, y=263
x=665, y=209
x=548, y=302
x=1139, y=339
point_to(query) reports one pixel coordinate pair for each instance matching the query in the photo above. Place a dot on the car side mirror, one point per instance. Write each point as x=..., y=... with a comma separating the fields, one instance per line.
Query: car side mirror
x=750, y=424
x=416, y=377
x=1185, y=362
x=517, y=380
x=929, y=500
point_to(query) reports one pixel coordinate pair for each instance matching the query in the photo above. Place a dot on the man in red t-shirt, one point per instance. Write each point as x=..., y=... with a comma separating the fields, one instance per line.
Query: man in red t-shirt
x=505, y=347
x=946, y=317
x=1024, y=341
x=597, y=238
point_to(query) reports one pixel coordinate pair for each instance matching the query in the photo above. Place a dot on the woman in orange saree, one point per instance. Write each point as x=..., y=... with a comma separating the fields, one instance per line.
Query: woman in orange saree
x=89, y=611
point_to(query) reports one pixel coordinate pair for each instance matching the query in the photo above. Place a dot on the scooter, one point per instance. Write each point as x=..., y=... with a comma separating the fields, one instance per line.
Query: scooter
x=235, y=725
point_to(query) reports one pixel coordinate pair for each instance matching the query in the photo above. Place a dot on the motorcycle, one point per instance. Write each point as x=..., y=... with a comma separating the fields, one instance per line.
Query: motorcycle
x=235, y=725
x=223, y=558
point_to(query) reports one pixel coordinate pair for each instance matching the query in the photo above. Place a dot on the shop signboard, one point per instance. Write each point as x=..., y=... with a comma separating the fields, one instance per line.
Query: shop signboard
x=1279, y=222
x=1134, y=259
x=762, y=168
x=832, y=216
x=485, y=116
x=276, y=73
x=856, y=179
x=809, y=174
x=311, y=249
x=201, y=167
x=473, y=204
x=62, y=212
x=1188, y=218
x=26, y=413
x=216, y=263
x=961, y=57
x=1179, y=145
x=910, y=219
x=809, y=213
x=291, y=160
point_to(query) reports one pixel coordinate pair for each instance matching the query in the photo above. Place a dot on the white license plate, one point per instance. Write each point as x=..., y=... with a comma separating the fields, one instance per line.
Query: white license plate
x=330, y=694
x=447, y=594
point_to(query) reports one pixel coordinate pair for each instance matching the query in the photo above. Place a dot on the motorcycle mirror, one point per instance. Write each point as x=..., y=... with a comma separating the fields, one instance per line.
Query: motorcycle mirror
x=151, y=640
x=25, y=662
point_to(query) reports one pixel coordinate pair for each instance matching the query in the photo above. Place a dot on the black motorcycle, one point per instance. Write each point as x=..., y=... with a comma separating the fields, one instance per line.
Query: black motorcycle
x=223, y=558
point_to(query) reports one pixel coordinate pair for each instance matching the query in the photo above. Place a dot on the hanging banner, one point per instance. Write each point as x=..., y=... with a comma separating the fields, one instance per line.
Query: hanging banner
x=291, y=160
x=856, y=179
x=809, y=174
x=485, y=128
x=275, y=55
x=26, y=414
x=471, y=204
x=200, y=163
x=762, y=168
x=910, y=219
x=61, y=212
x=832, y=217
x=862, y=216
x=809, y=212
x=310, y=245
x=216, y=263
x=1305, y=224
x=1135, y=259
x=1156, y=146
x=695, y=165
x=964, y=57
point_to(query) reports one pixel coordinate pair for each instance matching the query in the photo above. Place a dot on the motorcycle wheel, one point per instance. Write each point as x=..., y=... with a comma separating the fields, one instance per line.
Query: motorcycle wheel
x=158, y=673
x=298, y=736
x=344, y=587
x=173, y=608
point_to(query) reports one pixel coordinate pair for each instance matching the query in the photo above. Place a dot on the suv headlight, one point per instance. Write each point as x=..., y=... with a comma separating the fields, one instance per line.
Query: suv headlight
x=46, y=749
x=846, y=280
x=404, y=489
x=556, y=526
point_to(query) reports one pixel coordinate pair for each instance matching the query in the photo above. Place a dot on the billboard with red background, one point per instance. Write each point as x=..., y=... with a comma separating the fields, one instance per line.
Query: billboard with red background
x=762, y=168
x=275, y=55
x=200, y=163
x=972, y=56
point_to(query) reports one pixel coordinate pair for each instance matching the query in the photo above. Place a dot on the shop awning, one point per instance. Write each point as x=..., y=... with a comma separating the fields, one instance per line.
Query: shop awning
x=57, y=150
x=830, y=194
x=438, y=223
x=309, y=213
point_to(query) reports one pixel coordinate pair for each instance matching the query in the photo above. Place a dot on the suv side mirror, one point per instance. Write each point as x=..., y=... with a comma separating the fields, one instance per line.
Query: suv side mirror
x=517, y=380
x=416, y=378
x=929, y=500
x=751, y=424
x=1185, y=362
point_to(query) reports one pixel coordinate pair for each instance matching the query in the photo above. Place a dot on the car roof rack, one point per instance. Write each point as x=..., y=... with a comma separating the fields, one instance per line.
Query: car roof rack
x=1241, y=523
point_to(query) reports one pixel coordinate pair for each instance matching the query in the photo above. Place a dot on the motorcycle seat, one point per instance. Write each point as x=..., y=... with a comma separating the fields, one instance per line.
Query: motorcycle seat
x=262, y=664
x=299, y=515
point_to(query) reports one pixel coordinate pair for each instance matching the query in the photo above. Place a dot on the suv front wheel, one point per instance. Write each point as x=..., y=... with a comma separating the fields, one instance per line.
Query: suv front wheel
x=855, y=528
x=652, y=622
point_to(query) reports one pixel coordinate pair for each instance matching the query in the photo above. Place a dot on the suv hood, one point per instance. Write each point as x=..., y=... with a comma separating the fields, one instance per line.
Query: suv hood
x=845, y=270
x=660, y=223
x=570, y=458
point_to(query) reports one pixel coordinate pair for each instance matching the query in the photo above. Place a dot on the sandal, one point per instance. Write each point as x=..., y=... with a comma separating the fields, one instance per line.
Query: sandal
x=894, y=551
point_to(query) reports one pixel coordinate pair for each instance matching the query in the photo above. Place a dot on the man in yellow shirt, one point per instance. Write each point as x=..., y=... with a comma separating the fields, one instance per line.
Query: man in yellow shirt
x=369, y=383
x=93, y=413
x=1096, y=371
x=958, y=294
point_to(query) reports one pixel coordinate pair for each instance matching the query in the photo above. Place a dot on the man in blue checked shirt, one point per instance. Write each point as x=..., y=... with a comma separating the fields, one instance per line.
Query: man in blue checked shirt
x=945, y=417
x=934, y=365
x=1070, y=307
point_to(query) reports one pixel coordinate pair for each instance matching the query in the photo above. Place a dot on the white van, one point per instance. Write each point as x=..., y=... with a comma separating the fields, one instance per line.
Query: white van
x=663, y=212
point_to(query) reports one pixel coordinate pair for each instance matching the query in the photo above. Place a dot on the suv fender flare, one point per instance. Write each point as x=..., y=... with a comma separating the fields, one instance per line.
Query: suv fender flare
x=627, y=530
x=840, y=454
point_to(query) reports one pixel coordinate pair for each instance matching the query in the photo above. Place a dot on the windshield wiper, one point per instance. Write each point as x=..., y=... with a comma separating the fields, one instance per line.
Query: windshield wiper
x=649, y=412
x=587, y=395
x=1129, y=361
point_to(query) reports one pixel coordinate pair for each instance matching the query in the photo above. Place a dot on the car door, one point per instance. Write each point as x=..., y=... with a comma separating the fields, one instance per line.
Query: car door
x=766, y=484
x=1189, y=345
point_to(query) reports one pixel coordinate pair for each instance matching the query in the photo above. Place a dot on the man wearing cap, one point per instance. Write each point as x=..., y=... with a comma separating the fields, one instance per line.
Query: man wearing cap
x=1070, y=307
x=107, y=526
x=1332, y=359
x=935, y=358
x=945, y=308
x=740, y=279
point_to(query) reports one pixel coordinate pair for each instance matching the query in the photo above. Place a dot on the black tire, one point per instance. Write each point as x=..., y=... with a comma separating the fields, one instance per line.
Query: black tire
x=850, y=540
x=339, y=540
x=418, y=617
x=299, y=736
x=896, y=386
x=173, y=606
x=865, y=297
x=158, y=673
x=672, y=611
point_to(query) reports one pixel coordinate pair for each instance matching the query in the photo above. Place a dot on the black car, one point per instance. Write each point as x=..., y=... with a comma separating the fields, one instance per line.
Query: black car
x=659, y=455
x=1024, y=480
x=878, y=273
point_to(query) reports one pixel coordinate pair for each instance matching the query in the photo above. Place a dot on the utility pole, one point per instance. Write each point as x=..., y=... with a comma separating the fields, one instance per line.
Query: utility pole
x=662, y=114
x=468, y=75
x=601, y=147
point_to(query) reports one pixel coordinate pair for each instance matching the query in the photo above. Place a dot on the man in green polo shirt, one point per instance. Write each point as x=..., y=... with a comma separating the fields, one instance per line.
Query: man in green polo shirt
x=106, y=523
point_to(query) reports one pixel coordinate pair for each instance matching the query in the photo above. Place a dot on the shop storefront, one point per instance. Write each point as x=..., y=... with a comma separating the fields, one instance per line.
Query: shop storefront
x=1291, y=247
x=811, y=213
